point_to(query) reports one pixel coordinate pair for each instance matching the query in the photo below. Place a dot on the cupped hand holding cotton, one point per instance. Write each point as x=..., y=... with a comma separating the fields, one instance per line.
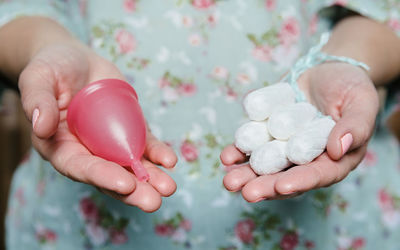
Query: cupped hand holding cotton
x=306, y=145
x=251, y=136
x=269, y=158
x=260, y=103
x=281, y=132
x=285, y=121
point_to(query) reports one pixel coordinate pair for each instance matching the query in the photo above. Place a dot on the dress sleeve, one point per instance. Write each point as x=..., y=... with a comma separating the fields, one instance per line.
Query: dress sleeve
x=385, y=11
x=70, y=14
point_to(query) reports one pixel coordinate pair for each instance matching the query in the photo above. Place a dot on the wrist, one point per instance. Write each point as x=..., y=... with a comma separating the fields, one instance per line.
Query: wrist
x=24, y=37
x=332, y=70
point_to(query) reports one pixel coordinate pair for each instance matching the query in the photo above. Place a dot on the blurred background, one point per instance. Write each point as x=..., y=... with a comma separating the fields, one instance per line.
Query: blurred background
x=14, y=144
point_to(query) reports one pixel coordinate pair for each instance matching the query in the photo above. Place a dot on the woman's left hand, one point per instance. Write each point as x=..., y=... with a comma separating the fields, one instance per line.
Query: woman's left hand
x=347, y=94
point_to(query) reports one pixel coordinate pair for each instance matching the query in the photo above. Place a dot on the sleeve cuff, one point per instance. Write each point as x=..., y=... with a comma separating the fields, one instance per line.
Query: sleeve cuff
x=11, y=11
x=380, y=11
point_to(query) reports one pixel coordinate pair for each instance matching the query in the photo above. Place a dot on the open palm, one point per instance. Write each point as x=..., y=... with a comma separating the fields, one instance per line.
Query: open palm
x=47, y=85
x=342, y=91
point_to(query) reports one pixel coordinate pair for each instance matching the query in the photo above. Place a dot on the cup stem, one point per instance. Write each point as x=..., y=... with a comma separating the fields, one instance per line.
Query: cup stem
x=140, y=171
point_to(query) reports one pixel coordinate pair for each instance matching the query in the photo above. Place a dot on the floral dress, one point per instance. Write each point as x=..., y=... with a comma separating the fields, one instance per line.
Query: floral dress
x=191, y=62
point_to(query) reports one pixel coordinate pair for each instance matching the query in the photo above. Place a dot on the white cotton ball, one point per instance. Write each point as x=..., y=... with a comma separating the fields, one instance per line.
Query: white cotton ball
x=269, y=158
x=251, y=135
x=306, y=145
x=287, y=120
x=260, y=103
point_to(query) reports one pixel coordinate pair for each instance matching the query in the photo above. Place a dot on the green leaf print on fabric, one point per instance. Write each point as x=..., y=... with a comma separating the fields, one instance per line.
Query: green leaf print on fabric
x=270, y=37
x=324, y=200
x=177, y=228
x=100, y=226
x=260, y=226
x=119, y=42
x=174, y=87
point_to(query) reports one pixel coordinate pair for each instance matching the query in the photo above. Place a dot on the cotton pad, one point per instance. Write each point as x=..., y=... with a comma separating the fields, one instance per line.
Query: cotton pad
x=251, y=135
x=260, y=103
x=307, y=144
x=269, y=158
x=285, y=121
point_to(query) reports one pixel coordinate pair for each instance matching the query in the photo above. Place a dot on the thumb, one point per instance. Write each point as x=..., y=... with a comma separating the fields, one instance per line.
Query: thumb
x=355, y=126
x=37, y=84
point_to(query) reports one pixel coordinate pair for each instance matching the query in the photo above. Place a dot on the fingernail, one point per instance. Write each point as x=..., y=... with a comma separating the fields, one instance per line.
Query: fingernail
x=260, y=199
x=346, y=141
x=288, y=193
x=35, y=117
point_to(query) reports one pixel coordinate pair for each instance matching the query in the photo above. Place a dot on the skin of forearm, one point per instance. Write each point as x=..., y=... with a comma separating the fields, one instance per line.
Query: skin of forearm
x=23, y=37
x=370, y=42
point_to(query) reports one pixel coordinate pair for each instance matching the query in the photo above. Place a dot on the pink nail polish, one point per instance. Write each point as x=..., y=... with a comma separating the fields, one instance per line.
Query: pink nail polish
x=35, y=117
x=346, y=142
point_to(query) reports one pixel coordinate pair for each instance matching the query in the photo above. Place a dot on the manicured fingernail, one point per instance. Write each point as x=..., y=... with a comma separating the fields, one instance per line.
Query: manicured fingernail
x=346, y=141
x=288, y=193
x=35, y=117
x=260, y=199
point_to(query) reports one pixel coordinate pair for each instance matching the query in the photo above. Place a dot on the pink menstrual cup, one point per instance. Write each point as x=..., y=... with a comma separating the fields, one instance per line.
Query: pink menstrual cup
x=107, y=119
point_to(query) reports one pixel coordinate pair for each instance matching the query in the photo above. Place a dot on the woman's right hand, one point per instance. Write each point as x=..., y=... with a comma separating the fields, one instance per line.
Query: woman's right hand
x=47, y=84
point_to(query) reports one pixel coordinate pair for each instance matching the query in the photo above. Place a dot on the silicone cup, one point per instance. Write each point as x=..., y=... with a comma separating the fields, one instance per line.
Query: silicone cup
x=107, y=118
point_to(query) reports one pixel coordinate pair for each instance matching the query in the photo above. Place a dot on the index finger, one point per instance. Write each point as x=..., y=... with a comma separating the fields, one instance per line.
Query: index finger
x=321, y=172
x=73, y=160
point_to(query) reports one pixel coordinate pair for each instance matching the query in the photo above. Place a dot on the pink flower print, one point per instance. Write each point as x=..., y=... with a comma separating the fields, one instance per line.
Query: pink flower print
x=187, y=21
x=358, y=243
x=170, y=94
x=313, y=25
x=385, y=200
x=309, y=244
x=203, y=4
x=187, y=89
x=118, y=237
x=244, y=230
x=126, y=41
x=220, y=73
x=370, y=158
x=212, y=20
x=394, y=23
x=195, y=40
x=189, y=151
x=164, y=230
x=51, y=236
x=284, y=56
x=262, y=53
x=46, y=235
x=179, y=235
x=97, y=234
x=186, y=225
x=243, y=78
x=391, y=218
x=164, y=83
x=290, y=32
x=270, y=4
x=231, y=94
x=289, y=241
x=89, y=210
x=129, y=5
x=343, y=242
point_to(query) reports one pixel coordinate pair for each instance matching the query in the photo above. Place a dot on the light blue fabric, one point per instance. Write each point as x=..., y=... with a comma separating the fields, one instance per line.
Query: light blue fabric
x=313, y=58
x=191, y=62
